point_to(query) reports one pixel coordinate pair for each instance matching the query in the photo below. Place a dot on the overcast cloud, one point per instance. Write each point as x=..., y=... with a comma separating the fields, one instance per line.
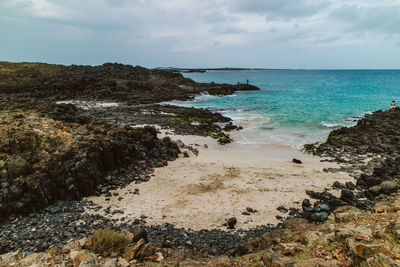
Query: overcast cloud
x=206, y=33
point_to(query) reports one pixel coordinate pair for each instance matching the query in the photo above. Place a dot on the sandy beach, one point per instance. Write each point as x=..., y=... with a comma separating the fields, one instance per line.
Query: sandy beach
x=201, y=192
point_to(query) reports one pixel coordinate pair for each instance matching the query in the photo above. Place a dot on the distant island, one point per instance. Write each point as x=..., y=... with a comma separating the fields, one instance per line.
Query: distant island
x=203, y=70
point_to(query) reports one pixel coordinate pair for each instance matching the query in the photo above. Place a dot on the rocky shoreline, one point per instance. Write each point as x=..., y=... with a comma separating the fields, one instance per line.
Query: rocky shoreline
x=53, y=154
x=369, y=151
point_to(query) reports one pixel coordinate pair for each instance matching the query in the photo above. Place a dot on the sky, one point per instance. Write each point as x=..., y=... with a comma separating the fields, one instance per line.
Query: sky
x=310, y=34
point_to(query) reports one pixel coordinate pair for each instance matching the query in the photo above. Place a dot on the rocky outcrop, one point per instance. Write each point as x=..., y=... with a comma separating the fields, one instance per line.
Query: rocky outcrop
x=182, y=120
x=135, y=85
x=377, y=133
x=43, y=160
x=369, y=151
x=351, y=237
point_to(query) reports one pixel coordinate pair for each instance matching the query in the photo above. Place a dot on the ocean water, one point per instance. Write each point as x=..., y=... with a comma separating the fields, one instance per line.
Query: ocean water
x=295, y=107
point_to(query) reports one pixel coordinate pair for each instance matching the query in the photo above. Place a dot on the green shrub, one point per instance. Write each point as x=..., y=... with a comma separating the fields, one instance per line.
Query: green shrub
x=108, y=241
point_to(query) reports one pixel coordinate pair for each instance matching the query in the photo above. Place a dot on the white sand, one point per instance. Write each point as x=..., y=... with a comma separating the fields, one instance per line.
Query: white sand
x=202, y=192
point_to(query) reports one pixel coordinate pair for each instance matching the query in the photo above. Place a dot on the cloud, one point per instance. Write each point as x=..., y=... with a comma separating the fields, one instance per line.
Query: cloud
x=278, y=9
x=382, y=17
x=153, y=32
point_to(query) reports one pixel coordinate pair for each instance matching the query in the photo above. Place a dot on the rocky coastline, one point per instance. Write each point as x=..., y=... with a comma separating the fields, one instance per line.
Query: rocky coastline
x=369, y=151
x=51, y=155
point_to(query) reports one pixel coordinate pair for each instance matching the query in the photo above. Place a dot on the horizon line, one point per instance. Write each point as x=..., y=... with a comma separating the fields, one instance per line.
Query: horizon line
x=198, y=68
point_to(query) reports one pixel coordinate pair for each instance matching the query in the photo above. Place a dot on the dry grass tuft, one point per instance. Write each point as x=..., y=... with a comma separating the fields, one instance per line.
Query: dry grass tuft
x=106, y=241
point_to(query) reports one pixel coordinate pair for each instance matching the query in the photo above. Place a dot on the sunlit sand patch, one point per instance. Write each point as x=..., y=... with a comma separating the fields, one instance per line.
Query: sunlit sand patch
x=221, y=182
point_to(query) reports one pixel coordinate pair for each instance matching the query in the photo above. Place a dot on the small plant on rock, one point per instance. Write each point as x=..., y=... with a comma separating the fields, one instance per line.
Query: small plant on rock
x=107, y=241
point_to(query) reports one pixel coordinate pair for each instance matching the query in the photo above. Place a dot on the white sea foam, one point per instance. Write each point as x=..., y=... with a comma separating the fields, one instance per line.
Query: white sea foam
x=204, y=97
x=259, y=128
x=330, y=125
x=89, y=104
x=285, y=136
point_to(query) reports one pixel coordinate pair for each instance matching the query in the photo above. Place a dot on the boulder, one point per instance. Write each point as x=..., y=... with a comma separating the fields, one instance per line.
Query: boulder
x=363, y=249
x=347, y=195
x=381, y=260
x=132, y=250
x=146, y=251
x=359, y=232
x=83, y=259
x=137, y=233
x=270, y=258
x=298, y=224
x=388, y=187
x=346, y=214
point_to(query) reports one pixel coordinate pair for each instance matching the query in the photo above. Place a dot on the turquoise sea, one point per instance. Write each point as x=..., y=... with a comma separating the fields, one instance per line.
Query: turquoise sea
x=295, y=107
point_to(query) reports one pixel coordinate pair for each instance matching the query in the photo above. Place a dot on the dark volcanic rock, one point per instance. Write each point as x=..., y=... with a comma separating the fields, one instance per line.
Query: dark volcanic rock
x=297, y=161
x=37, y=231
x=370, y=150
x=376, y=133
x=43, y=160
x=136, y=85
x=231, y=222
x=347, y=195
x=338, y=185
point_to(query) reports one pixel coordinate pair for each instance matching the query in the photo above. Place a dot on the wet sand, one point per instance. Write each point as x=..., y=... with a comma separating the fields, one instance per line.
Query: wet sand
x=201, y=192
